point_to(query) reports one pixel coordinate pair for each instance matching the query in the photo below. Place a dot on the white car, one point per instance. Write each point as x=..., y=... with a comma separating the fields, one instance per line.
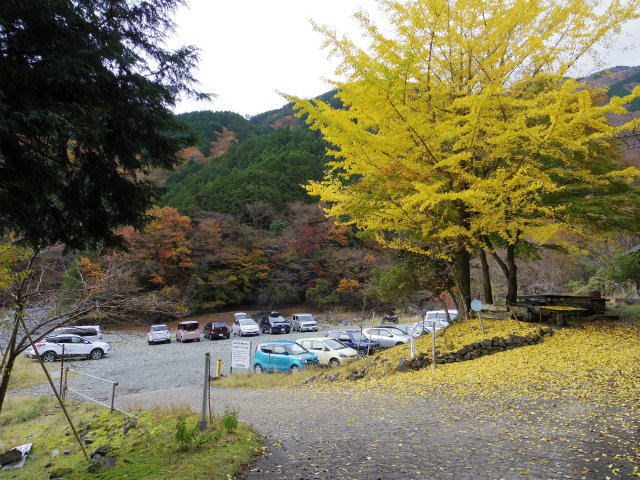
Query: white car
x=57, y=346
x=387, y=336
x=158, y=333
x=329, y=351
x=303, y=322
x=245, y=326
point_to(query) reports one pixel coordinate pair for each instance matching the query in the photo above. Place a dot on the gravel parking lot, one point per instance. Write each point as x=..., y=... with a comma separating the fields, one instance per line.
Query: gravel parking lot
x=139, y=367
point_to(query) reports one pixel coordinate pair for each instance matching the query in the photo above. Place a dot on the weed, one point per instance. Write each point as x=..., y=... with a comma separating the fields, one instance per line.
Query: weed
x=230, y=419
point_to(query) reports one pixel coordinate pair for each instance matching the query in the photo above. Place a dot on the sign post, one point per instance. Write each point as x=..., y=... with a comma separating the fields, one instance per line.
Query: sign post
x=241, y=355
x=476, y=306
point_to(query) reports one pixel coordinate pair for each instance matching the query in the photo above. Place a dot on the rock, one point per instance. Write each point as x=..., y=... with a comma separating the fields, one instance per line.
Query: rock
x=87, y=440
x=94, y=468
x=486, y=342
x=462, y=352
x=96, y=458
x=60, y=472
x=102, y=450
x=133, y=424
x=109, y=462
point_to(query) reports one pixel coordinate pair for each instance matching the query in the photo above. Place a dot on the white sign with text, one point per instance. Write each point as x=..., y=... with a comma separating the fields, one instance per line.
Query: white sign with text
x=241, y=354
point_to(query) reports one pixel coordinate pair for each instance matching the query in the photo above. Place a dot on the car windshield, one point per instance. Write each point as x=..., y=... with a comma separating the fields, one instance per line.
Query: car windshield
x=247, y=321
x=219, y=325
x=334, y=344
x=305, y=318
x=296, y=349
x=240, y=316
x=159, y=328
x=358, y=337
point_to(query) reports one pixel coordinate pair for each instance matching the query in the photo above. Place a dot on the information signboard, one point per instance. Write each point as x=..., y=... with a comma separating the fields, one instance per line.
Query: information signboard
x=241, y=354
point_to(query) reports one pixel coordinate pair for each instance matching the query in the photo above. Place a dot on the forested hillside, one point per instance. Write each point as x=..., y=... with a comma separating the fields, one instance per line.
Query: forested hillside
x=266, y=168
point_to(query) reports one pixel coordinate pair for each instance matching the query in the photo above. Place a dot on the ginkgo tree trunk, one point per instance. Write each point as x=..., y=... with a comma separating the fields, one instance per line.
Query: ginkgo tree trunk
x=461, y=117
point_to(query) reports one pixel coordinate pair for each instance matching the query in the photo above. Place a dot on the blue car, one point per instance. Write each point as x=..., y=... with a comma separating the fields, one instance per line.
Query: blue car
x=354, y=339
x=282, y=356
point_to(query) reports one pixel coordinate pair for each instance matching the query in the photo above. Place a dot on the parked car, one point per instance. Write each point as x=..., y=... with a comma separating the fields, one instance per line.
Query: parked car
x=439, y=317
x=387, y=336
x=90, y=332
x=282, y=356
x=158, y=333
x=274, y=323
x=413, y=330
x=216, y=330
x=329, y=351
x=355, y=339
x=303, y=322
x=188, y=330
x=245, y=326
x=57, y=346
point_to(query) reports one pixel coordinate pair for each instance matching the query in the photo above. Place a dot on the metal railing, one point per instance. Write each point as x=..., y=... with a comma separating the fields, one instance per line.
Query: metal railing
x=66, y=389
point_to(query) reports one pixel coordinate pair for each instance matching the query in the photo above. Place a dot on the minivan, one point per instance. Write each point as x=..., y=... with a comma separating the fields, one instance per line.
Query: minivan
x=188, y=330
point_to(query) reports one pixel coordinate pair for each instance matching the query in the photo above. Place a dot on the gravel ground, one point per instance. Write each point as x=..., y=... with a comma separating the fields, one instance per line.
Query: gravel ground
x=139, y=367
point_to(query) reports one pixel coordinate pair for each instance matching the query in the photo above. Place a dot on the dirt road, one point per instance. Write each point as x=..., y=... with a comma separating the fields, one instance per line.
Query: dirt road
x=313, y=433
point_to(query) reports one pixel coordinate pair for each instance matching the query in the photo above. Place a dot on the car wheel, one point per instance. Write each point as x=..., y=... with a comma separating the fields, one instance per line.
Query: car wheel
x=362, y=354
x=197, y=339
x=149, y=343
x=295, y=368
x=177, y=338
x=334, y=362
x=270, y=331
x=169, y=341
x=399, y=343
x=210, y=337
x=258, y=369
x=96, y=354
x=48, y=357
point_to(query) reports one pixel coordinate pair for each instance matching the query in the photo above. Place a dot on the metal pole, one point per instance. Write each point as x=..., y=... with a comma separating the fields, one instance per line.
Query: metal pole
x=64, y=390
x=203, y=419
x=113, y=395
x=480, y=317
x=433, y=361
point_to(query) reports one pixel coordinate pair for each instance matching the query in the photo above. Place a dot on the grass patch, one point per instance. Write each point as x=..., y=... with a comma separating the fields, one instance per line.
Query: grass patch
x=28, y=373
x=145, y=447
x=266, y=380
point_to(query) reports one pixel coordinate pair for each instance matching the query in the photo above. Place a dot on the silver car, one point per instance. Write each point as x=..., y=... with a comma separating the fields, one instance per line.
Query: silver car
x=387, y=336
x=245, y=326
x=303, y=322
x=57, y=346
x=158, y=334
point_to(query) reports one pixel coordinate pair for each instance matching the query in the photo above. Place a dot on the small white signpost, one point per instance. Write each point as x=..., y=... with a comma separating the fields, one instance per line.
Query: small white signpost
x=241, y=355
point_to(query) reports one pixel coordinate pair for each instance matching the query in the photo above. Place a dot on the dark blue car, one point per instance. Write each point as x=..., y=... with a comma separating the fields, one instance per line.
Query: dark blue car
x=353, y=338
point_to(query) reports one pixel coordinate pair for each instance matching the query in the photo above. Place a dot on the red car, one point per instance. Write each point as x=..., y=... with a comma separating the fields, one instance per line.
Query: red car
x=216, y=330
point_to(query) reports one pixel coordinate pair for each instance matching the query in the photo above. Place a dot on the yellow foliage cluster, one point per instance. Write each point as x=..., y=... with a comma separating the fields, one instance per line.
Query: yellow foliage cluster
x=600, y=361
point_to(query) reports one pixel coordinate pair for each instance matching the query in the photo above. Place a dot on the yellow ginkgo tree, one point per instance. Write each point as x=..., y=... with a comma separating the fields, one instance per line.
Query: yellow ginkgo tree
x=461, y=116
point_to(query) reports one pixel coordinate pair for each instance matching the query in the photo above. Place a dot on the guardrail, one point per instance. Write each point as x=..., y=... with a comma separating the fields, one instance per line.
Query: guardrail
x=66, y=389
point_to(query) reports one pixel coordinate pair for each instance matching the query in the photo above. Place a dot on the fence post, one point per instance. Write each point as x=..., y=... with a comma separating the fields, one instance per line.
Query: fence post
x=64, y=390
x=433, y=362
x=113, y=395
x=202, y=425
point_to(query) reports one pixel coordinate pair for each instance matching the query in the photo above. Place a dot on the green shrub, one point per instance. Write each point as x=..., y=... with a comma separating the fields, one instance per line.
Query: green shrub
x=230, y=419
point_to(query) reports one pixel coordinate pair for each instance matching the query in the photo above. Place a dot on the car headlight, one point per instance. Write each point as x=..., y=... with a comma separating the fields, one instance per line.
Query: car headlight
x=303, y=360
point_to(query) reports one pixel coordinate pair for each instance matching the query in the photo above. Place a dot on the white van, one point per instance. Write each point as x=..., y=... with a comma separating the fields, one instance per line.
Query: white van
x=439, y=317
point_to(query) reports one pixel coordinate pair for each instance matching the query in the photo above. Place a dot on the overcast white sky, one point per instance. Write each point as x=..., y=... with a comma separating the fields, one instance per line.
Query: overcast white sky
x=250, y=49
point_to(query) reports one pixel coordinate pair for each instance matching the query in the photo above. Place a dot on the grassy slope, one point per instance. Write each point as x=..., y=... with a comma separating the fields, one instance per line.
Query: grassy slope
x=147, y=451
